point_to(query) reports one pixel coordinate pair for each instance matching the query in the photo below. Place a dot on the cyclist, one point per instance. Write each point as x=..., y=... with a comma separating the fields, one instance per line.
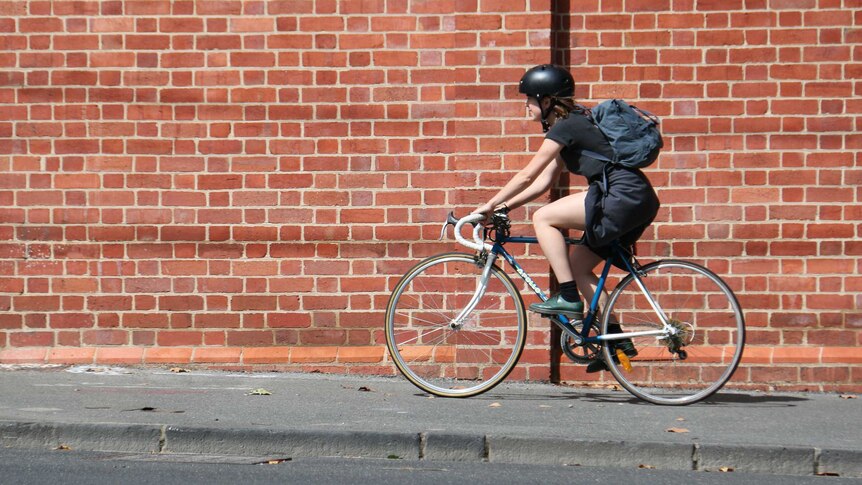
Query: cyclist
x=618, y=205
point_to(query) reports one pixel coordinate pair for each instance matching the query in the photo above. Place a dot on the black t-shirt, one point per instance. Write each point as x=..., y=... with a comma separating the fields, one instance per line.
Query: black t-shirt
x=577, y=133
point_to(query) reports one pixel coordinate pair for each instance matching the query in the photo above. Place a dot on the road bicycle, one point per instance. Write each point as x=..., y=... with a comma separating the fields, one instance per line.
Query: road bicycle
x=456, y=323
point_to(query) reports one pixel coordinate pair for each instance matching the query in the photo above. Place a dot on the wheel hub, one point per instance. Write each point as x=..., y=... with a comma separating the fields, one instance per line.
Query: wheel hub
x=683, y=335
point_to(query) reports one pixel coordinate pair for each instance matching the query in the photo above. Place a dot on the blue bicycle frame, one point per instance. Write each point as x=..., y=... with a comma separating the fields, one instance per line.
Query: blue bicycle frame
x=581, y=336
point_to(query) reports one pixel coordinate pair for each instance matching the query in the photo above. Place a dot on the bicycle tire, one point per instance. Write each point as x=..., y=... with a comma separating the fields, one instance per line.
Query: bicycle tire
x=459, y=361
x=701, y=358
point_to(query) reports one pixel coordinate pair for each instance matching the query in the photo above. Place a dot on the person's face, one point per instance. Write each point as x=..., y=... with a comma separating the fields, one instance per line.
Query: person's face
x=533, y=109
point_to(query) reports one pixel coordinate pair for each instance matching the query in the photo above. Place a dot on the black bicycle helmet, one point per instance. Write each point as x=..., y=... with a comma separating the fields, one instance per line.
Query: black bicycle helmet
x=547, y=80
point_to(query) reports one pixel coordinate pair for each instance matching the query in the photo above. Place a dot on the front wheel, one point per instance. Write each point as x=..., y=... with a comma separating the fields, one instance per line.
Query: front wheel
x=703, y=347
x=435, y=350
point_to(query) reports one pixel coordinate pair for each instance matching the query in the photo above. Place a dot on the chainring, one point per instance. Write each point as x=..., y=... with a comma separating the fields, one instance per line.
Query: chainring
x=580, y=354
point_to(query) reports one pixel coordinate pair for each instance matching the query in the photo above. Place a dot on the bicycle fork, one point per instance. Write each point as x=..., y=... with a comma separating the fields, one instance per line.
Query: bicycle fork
x=481, y=286
x=458, y=322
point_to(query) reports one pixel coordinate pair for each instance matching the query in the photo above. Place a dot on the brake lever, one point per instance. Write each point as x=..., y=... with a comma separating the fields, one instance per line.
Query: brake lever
x=450, y=220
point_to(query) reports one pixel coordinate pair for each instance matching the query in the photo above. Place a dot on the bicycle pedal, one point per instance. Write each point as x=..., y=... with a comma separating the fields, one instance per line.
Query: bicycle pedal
x=573, y=317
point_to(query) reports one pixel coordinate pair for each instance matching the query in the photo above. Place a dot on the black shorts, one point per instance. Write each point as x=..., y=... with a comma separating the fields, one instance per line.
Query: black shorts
x=621, y=215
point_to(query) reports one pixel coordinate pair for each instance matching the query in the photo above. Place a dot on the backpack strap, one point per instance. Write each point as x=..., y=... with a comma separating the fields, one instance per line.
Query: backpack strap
x=597, y=156
x=647, y=115
x=588, y=114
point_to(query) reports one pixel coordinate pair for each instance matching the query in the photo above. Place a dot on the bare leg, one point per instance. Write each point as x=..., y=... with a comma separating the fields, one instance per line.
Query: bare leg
x=565, y=213
x=583, y=261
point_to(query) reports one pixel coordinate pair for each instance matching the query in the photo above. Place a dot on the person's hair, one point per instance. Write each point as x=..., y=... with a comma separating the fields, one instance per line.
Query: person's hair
x=564, y=106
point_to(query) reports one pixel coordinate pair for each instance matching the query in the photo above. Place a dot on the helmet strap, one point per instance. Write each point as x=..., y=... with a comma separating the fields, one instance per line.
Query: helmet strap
x=545, y=113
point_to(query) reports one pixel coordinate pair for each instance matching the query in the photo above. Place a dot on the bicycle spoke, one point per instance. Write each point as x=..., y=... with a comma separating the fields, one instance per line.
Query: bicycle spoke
x=709, y=333
x=422, y=320
x=436, y=354
x=415, y=339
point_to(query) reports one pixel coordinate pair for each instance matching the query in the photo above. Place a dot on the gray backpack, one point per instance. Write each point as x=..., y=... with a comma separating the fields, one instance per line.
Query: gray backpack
x=633, y=133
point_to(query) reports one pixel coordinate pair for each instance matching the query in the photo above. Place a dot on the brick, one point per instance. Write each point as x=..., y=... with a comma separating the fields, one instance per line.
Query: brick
x=266, y=355
x=23, y=356
x=71, y=355
x=216, y=355
x=249, y=302
x=841, y=355
x=179, y=338
x=105, y=337
x=757, y=355
x=795, y=355
x=305, y=355
x=180, y=303
x=72, y=320
x=360, y=354
x=119, y=355
x=31, y=339
x=181, y=24
x=250, y=338
x=156, y=355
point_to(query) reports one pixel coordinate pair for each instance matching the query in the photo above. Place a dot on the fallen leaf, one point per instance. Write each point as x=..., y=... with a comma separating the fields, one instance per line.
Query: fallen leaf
x=259, y=392
x=277, y=461
x=178, y=370
x=725, y=469
x=848, y=396
x=677, y=430
x=150, y=409
x=495, y=405
x=827, y=474
x=646, y=467
x=544, y=406
x=64, y=447
x=365, y=389
x=680, y=419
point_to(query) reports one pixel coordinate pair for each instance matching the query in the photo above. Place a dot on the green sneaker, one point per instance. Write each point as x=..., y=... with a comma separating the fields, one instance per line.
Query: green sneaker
x=556, y=305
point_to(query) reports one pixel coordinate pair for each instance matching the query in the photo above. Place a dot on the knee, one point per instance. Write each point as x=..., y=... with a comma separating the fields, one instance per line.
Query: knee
x=539, y=218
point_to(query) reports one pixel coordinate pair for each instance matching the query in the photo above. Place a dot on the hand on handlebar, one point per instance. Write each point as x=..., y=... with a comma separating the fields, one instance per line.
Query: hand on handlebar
x=488, y=211
x=474, y=219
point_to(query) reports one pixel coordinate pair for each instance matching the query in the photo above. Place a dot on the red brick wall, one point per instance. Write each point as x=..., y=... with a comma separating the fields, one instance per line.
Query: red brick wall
x=237, y=183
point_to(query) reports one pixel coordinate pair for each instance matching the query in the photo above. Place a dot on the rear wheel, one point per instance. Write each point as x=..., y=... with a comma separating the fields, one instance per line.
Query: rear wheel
x=445, y=356
x=705, y=346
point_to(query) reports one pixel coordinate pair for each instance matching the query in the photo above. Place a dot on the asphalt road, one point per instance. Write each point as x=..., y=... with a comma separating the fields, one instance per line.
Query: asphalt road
x=73, y=467
x=319, y=416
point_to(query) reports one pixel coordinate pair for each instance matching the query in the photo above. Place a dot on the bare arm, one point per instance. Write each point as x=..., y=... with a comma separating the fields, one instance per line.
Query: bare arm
x=537, y=174
x=542, y=184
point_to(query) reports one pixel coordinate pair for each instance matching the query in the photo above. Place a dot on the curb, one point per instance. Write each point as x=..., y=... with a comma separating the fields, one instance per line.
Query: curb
x=432, y=446
x=130, y=438
x=291, y=443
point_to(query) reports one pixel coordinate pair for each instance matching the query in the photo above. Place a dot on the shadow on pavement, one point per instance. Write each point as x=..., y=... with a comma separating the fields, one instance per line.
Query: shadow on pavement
x=616, y=397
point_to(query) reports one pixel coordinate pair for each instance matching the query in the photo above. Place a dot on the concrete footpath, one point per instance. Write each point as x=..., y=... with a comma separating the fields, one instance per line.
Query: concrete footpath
x=155, y=410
